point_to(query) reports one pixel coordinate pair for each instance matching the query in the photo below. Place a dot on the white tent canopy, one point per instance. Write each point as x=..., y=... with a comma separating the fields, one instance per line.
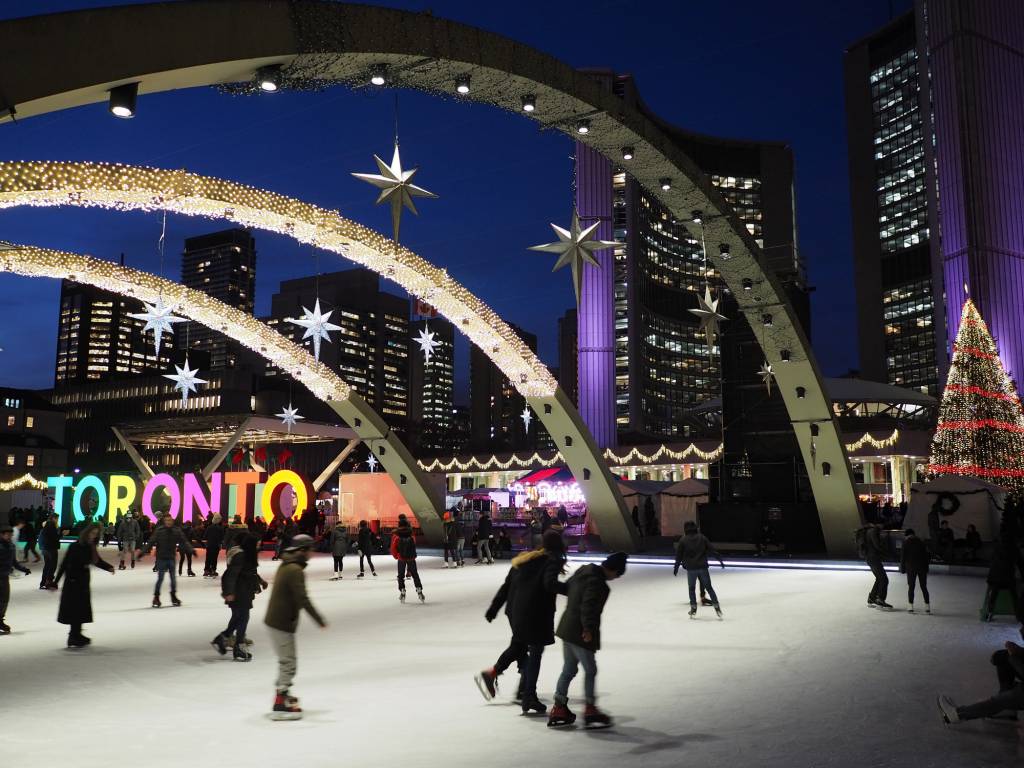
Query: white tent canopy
x=674, y=503
x=980, y=504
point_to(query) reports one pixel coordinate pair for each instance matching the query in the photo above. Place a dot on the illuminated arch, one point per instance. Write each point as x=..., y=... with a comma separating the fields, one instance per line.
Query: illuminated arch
x=156, y=46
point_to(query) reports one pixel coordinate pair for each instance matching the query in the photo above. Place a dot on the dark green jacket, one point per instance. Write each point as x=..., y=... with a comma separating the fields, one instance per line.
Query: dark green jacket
x=289, y=597
x=588, y=592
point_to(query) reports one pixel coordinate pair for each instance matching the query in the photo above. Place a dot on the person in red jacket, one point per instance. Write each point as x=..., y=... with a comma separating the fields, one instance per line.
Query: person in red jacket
x=403, y=549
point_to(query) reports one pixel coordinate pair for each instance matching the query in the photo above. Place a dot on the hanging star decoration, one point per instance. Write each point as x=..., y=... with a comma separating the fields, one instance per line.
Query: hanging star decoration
x=316, y=326
x=395, y=186
x=527, y=417
x=767, y=373
x=185, y=380
x=427, y=342
x=289, y=416
x=575, y=247
x=159, y=318
x=372, y=463
x=707, y=313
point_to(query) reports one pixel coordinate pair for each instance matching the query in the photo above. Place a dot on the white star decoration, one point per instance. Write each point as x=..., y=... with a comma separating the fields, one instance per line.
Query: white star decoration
x=185, y=380
x=372, y=463
x=527, y=417
x=395, y=186
x=289, y=416
x=159, y=318
x=766, y=373
x=427, y=342
x=707, y=312
x=575, y=247
x=316, y=326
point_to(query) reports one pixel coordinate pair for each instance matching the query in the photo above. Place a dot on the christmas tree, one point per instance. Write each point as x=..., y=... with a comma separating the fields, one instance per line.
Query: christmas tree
x=981, y=426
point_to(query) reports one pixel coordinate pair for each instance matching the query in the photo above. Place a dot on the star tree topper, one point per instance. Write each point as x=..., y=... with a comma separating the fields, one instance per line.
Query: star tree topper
x=427, y=342
x=159, y=318
x=767, y=373
x=707, y=313
x=575, y=247
x=185, y=380
x=289, y=416
x=527, y=417
x=316, y=326
x=395, y=186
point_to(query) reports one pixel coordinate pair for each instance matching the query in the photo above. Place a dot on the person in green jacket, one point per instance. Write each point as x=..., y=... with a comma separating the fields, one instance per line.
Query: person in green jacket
x=580, y=630
x=287, y=599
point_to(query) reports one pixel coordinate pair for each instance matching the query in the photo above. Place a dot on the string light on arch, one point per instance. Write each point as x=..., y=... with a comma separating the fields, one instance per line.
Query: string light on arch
x=634, y=455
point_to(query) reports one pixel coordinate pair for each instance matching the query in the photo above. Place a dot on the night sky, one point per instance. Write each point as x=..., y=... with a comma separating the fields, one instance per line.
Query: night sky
x=743, y=69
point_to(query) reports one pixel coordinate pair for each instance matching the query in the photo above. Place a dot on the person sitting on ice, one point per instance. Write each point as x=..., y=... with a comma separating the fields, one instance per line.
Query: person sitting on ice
x=1009, y=664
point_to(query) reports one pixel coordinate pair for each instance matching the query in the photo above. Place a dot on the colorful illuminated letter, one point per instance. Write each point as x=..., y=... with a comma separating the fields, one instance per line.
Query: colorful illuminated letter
x=192, y=496
x=243, y=499
x=59, y=484
x=276, y=485
x=87, y=482
x=166, y=482
x=122, y=494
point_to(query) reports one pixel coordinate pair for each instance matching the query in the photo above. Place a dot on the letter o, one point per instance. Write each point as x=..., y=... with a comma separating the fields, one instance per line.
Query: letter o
x=162, y=480
x=90, y=481
x=270, y=500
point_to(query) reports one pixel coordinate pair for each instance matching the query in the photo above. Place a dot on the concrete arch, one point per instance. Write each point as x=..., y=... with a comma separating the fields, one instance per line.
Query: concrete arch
x=181, y=45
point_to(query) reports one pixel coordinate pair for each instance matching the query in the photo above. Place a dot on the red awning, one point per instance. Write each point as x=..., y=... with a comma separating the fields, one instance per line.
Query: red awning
x=547, y=475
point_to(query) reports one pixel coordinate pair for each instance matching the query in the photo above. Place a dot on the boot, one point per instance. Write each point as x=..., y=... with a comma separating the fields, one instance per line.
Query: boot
x=133, y=563
x=560, y=716
x=531, y=704
x=487, y=682
x=718, y=610
x=401, y=596
x=595, y=718
x=77, y=641
x=174, y=600
x=219, y=644
x=4, y=629
x=421, y=596
x=286, y=707
x=156, y=601
x=693, y=612
x=191, y=572
x=241, y=654
x=120, y=566
x=927, y=607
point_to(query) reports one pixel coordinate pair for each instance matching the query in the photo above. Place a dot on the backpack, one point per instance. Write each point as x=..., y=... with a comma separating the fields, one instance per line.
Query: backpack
x=406, y=548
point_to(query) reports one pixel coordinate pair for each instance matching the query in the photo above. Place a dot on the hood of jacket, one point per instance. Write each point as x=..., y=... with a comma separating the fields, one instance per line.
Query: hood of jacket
x=293, y=557
x=525, y=557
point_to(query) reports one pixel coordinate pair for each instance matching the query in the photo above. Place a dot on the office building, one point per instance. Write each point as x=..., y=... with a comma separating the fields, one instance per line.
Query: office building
x=568, y=360
x=31, y=436
x=432, y=387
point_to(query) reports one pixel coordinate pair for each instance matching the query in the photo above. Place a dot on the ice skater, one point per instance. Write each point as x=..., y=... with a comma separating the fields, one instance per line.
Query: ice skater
x=287, y=599
x=692, y=552
x=869, y=540
x=239, y=586
x=129, y=535
x=460, y=536
x=339, y=548
x=214, y=539
x=8, y=563
x=403, y=549
x=76, y=597
x=1002, y=574
x=914, y=562
x=580, y=632
x=450, y=539
x=166, y=538
x=49, y=543
x=28, y=538
x=1009, y=664
x=186, y=554
x=528, y=594
x=484, y=534
x=364, y=542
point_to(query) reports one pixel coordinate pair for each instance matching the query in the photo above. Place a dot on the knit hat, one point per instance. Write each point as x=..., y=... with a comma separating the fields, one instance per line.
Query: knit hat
x=302, y=541
x=5, y=529
x=553, y=541
x=616, y=562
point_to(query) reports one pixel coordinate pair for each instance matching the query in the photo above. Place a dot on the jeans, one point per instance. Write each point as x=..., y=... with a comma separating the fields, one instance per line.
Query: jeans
x=128, y=547
x=49, y=567
x=700, y=574
x=409, y=565
x=572, y=657
x=369, y=561
x=339, y=563
x=238, y=624
x=210, y=566
x=528, y=658
x=881, y=586
x=181, y=561
x=287, y=660
x=1010, y=671
x=485, y=550
x=921, y=577
x=460, y=545
x=449, y=549
x=161, y=567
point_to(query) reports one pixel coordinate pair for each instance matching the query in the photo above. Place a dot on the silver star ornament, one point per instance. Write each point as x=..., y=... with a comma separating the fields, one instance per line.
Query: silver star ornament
x=159, y=318
x=427, y=342
x=707, y=313
x=289, y=416
x=767, y=374
x=185, y=380
x=575, y=247
x=372, y=463
x=316, y=325
x=395, y=186
x=527, y=417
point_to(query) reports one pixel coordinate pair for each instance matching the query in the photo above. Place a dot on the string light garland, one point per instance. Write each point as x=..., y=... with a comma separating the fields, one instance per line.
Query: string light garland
x=867, y=439
x=23, y=482
x=493, y=463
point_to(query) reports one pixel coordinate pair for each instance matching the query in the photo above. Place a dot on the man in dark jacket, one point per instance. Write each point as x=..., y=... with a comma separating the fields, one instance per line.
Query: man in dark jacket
x=528, y=595
x=241, y=583
x=914, y=563
x=580, y=631
x=214, y=540
x=1009, y=664
x=450, y=539
x=403, y=549
x=484, y=532
x=129, y=535
x=692, y=552
x=166, y=538
x=874, y=555
x=49, y=543
x=460, y=536
x=8, y=562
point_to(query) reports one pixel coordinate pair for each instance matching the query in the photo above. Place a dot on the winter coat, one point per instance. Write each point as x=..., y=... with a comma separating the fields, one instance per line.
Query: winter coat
x=460, y=529
x=28, y=532
x=128, y=530
x=75, y=599
x=873, y=550
x=339, y=541
x=289, y=597
x=529, y=595
x=588, y=591
x=450, y=535
x=49, y=538
x=484, y=528
x=240, y=579
x=232, y=535
x=364, y=540
x=215, y=536
x=9, y=560
x=403, y=533
x=914, y=558
x=167, y=540
x=692, y=552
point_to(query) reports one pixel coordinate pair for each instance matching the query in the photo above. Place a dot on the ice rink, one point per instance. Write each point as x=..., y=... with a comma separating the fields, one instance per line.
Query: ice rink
x=800, y=673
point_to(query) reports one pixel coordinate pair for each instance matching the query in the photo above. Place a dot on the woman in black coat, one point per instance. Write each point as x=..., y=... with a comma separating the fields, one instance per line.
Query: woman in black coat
x=239, y=585
x=75, y=599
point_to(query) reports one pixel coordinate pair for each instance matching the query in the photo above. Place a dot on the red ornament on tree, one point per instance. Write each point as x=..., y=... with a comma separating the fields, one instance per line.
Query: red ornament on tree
x=283, y=456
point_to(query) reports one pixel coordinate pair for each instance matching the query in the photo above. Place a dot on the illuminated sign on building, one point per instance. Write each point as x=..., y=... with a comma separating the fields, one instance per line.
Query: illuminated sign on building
x=551, y=493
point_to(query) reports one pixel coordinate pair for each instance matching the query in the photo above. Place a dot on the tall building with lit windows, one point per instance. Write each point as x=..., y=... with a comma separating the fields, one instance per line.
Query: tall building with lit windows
x=432, y=387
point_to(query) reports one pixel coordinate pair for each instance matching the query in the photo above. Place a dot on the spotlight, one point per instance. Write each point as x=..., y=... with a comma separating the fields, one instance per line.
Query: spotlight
x=766, y=320
x=698, y=217
x=748, y=284
x=723, y=252
x=801, y=393
x=583, y=126
x=666, y=184
x=529, y=103
x=462, y=84
x=269, y=78
x=377, y=74
x=627, y=153
x=784, y=354
x=122, y=100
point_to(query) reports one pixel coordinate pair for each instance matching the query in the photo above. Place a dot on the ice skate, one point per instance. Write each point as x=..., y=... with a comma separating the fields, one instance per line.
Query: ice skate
x=156, y=601
x=120, y=566
x=533, y=705
x=910, y=608
x=421, y=596
x=373, y=573
x=191, y=572
x=948, y=709
x=718, y=612
x=560, y=716
x=133, y=563
x=487, y=682
x=219, y=644
x=4, y=629
x=706, y=602
x=286, y=708
x=595, y=718
x=360, y=575
x=693, y=612
x=927, y=608
x=175, y=601
x=241, y=654
x=883, y=604
x=401, y=596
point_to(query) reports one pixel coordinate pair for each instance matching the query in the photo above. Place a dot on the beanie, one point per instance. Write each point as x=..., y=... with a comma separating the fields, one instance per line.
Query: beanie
x=616, y=562
x=553, y=541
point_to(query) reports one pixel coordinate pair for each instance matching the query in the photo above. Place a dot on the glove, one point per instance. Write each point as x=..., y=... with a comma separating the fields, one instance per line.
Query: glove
x=489, y=616
x=675, y=571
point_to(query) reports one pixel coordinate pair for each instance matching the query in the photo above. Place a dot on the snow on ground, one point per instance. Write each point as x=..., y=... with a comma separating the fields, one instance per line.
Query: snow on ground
x=800, y=673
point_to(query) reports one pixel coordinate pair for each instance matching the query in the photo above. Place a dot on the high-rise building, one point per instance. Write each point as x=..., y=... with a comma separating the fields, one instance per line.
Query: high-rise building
x=568, y=364
x=432, y=387
x=221, y=265
x=371, y=351
x=98, y=341
x=496, y=407
x=31, y=435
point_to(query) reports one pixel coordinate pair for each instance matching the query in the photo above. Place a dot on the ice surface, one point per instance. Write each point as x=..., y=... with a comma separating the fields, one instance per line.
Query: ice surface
x=800, y=673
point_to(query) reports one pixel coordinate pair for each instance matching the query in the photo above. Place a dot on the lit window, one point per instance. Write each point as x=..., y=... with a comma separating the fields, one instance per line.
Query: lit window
x=10, y=459
x=30, y=421
x=10, y=421
x=31, y=460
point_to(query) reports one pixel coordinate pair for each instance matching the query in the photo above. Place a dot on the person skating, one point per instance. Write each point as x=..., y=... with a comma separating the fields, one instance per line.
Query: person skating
x=239, y=586
x=1009, y=664
x=874, y=556
x=339, y=548
x=129, y=534
x=403, y=549
x=914, y=562
x=49, y=543
x=692, y=552
x=460, y=536
x=76, y=598
x=287, y=599
x=8, y=563
x=528, y=594
x=214, y=539
x=166, y=538
x=484, y=534
x=580, y=632
x=186, y=554
x=28, y=538
x=364, y=542
x=450, y=539
x=1002, y=574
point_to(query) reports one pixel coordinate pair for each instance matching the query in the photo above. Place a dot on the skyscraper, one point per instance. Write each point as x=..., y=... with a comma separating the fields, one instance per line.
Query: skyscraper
x=568, y=365
x=432, y=387
x=221, y=265
x=496, y=407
